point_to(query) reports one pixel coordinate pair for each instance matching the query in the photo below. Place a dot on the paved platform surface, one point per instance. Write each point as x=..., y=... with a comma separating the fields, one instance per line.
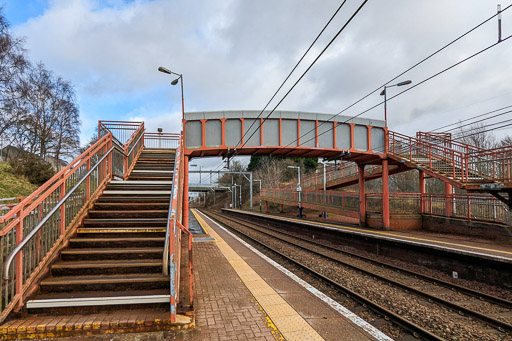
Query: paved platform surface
x=227, y=265
x=481, y=247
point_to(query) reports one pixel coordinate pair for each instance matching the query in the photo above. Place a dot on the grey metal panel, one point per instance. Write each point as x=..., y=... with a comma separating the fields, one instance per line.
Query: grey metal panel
x=252, y=132
x=289, y=131
x=343, y=136
x=378, y=140
x=280, y=114
x=193, y=134
x=233, y=132
x=325, y=135
x=271, y=132
x=307, y=133
x=213, y=133
x=361, y=138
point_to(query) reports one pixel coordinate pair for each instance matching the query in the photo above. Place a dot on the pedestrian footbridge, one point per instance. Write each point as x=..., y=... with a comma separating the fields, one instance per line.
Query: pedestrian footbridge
x=110, y=230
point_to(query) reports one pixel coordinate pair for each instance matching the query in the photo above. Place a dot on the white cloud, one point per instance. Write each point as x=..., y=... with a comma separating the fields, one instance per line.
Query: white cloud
x=234, y=54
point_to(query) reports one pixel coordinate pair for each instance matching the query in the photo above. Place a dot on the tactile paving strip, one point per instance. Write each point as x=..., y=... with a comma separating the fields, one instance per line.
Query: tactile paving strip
x=291, y=325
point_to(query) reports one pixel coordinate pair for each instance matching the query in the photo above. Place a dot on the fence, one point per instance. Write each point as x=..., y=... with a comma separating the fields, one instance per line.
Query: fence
x=462, y=206
x=161, y=140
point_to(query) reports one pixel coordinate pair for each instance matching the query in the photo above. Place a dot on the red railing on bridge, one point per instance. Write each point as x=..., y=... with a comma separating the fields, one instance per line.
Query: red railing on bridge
x=453, y=160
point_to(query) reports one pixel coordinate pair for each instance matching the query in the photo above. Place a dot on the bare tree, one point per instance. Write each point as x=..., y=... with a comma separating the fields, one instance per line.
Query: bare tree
x=12, y=67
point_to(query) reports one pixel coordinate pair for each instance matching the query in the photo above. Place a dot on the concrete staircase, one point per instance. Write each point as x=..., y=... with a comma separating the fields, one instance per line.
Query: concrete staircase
x=115, y=259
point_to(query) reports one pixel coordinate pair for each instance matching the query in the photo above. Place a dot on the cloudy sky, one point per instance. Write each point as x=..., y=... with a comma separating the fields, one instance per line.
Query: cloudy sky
x=234, y=54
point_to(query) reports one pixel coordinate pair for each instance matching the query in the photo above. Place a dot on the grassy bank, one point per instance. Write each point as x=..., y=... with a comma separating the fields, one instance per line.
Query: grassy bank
x=12, y=185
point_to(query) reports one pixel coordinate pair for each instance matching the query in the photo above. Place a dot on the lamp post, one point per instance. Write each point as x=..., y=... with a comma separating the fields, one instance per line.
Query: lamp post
x=200, y=168
x=174, y=82
x=298, y=189
x=383, y=93
x=259, y=192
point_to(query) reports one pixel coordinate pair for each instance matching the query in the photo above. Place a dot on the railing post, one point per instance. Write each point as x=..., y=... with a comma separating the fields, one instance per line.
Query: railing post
x=109, y=158
x=185, y=192
x=88, y=181
x=422, y=191
x=62, y=208
x=469, y=207
x=19, y=256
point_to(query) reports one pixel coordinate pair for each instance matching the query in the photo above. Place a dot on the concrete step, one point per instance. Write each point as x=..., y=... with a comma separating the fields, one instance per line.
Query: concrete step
x=121, y=282
x=137, y=192
x=132, y=222
x=112, y=254
x=103, y=267
x=115, y=242
x=131, y=206
x=94, y=301
x=143, y=177
x=142, y=199
x=121, y=231
x=111, y=214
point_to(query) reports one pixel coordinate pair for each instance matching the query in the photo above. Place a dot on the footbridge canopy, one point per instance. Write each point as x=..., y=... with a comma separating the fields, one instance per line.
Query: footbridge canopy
x=219, y=133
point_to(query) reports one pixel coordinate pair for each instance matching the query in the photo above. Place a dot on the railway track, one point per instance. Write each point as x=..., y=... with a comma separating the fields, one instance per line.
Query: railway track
x=465, y=312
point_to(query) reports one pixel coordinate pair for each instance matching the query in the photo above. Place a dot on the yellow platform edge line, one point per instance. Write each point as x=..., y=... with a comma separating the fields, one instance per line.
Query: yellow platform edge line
x=200, y=221
x=389, y=234
x=277, y=309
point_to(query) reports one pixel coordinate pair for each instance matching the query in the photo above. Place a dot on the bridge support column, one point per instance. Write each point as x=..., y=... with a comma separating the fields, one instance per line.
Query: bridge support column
x=385, y=195
x=448, y=191
x=422, y=191
x=185, y=192
x=362, y=197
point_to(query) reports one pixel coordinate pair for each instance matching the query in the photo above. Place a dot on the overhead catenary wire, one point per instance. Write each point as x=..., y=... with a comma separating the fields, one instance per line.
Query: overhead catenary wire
x=401, y=74
x=414, y=86
x=309, y=67
x=293, y=70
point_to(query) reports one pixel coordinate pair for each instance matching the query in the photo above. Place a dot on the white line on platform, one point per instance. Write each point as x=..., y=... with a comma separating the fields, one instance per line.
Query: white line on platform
x=377, y=334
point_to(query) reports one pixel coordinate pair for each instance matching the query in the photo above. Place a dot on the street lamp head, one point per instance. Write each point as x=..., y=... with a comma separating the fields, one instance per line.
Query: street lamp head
x=293, y=167
x=164, y=70
x=404, y=83
x=174, y=82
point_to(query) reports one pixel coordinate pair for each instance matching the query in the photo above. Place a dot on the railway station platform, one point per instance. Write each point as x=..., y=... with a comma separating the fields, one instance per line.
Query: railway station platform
x=457, y=244
x=240, y=294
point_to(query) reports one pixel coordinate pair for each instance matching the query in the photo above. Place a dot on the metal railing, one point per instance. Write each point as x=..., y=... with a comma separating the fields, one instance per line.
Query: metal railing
x=171, y=256
x=333, y=174
x=469, y=207
x=465, y=164
x=122, y=131
x=34, y=230
x=161, y=140
x=348, y=201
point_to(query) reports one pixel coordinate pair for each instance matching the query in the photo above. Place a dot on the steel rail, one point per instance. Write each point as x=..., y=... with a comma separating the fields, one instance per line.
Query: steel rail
x=415, y=329
x=501, y=326
x=468, y=291
x=32, y=233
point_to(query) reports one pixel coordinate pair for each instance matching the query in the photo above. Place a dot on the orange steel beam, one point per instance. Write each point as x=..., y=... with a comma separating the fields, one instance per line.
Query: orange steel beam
x=185, y=192
x=385, y=194
x=362, y=197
